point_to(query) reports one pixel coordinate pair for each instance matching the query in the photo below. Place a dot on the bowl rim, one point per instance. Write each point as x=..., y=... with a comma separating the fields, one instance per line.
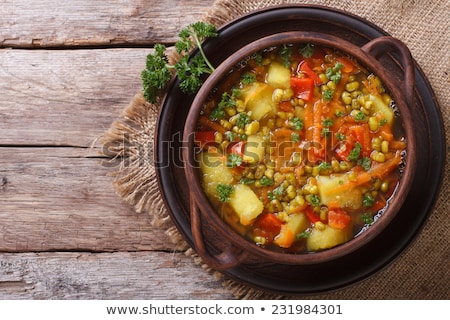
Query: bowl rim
x=365, y=59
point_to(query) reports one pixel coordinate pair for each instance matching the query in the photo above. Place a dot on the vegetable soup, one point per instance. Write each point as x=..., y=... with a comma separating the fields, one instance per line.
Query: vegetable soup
x=300, y=148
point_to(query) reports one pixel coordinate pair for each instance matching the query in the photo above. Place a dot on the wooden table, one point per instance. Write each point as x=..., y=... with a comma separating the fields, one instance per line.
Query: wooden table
x=67, y=70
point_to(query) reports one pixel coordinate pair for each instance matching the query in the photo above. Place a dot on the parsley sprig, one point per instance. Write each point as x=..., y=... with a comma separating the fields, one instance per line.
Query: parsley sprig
x=189, y=70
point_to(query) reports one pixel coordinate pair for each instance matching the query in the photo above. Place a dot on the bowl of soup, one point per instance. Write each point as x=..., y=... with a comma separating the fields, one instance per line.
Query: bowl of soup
x=299, y=149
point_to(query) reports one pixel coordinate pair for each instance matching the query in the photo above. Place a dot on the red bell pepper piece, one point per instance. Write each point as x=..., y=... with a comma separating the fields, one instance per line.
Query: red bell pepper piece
x=306, y=69
x=311, y=215
x=237, y=148
x=268, y=226
x=338, y=218
x=303, y=88
x=203, y=138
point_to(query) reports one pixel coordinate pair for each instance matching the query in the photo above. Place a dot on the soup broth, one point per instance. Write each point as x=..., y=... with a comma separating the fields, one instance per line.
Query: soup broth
x=300, y=148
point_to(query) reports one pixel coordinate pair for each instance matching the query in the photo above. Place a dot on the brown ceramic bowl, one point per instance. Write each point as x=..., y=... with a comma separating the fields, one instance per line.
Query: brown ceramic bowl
x=235, y=249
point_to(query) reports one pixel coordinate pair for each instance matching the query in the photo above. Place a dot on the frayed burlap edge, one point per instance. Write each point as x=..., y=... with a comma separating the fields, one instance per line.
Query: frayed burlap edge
x=129, y=145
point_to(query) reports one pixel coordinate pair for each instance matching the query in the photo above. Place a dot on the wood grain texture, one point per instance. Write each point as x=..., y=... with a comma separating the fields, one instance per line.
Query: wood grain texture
x=63, y=199
x=54, y=23
x=141, y=275
x=67, y=97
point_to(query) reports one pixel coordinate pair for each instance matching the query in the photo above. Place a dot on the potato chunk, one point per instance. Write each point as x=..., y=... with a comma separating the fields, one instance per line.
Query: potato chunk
x=214, y=172
x=296, y=223
x=333, y=195
x=327, y=238
x=279, y=76
x=254, y=149
x=246, y=204
x=258, y=100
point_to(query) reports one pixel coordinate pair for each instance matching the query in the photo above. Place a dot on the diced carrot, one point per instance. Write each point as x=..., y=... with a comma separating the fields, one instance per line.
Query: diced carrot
x=285, y=238
x=317, y=122
x=286, y=106
x=283, y=132
x=386, y=133
x=397, y=145
x=308, y=120
x=348, y=65
x=338, y=219
x=371, y=87
x=378, y=171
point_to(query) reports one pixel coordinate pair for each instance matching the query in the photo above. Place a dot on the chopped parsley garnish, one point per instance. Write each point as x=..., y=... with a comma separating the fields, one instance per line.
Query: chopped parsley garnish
x=328, y=122
x=359, y=116
x=325, y=132
x=217, y=114
x=368, y=200
x=324, y=166
x=248, y=78
x=313, y=199
x=231, y=136
x=295, y=137
x=327, y=95
x=334, y=74
x=307, y=50
x=225, y=191
x=340, y=136
x=303, y=235
x=383, y=122
x=234, y=160
x=245, y=180
x=242, y=120
x=227, y=101
x=355, y=153
x=365, y=162
x=296, y=123
x=367, y=218
x=278, y=191
x=264, y=181
x=285, y=54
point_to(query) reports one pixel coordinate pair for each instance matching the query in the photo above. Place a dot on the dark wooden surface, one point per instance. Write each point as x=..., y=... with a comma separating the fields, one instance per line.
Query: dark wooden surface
x=67, y=70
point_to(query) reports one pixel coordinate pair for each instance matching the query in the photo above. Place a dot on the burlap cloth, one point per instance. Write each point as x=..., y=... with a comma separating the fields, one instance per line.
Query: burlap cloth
x=422, y=271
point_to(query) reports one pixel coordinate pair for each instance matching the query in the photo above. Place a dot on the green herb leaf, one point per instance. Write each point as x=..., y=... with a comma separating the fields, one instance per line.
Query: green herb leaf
x=248, y=78
x=285, y=54
x=157, y=73
x=225, y=191
x=295, y=137
x=365, y=162
x=327, y=95
x=265, y=181
x=324, y=166
x=313, y=199
x=307, y=50
x=303, y=235
x=355, y=153
x=234, y=160
x=368, y=200
x=296, y=123
x=367, y=218
x=242, y=120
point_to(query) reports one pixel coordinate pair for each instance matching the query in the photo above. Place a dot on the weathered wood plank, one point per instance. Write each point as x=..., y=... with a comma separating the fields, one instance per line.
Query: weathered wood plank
x=139, y=275
x=67, y=97
x=56, y=23
x=63, y=199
